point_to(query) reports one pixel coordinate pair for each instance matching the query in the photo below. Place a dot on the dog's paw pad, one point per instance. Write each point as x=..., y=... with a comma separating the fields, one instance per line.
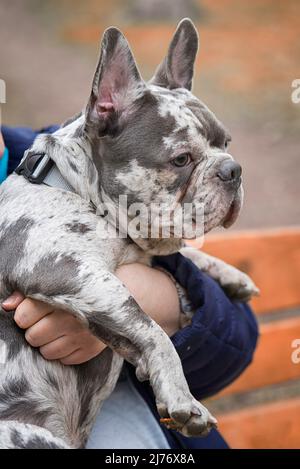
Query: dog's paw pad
x=197, y=427
x=242, y=288
x=196, y=422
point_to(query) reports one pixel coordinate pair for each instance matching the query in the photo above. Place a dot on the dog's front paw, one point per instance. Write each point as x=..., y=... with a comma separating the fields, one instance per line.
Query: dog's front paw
x=238, y=285
x=191, y=418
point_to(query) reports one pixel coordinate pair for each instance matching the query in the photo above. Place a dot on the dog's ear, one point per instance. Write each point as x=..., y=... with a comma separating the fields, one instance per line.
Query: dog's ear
x=177, y=69
x=116, y=85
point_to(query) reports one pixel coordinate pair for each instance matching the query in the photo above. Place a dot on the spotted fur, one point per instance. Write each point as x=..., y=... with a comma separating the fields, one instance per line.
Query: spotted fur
x=51, y=248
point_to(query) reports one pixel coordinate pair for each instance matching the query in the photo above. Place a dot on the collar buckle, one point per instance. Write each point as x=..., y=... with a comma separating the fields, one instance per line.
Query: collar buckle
x=35, y=167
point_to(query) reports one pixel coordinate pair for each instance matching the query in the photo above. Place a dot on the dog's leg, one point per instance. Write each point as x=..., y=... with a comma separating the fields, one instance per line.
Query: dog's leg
x=114, y=317
x=237, y=284
x=40, y=398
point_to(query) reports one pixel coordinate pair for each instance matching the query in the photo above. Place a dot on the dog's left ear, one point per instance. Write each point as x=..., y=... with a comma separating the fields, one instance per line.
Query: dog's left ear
x=116, y=85
x=177, y=69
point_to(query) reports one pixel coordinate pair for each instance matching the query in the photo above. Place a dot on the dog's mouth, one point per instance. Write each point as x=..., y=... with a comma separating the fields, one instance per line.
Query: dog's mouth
x=234, y=210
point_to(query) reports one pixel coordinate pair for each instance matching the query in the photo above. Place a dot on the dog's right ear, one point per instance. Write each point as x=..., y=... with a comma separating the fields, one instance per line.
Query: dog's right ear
x=117, y=84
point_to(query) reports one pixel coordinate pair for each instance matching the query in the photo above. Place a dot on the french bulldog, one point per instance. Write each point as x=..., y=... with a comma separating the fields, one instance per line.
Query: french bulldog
x=154, y=142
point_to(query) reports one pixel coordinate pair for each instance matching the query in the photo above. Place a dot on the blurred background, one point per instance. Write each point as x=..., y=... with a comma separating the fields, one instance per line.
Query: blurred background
x=249, y=56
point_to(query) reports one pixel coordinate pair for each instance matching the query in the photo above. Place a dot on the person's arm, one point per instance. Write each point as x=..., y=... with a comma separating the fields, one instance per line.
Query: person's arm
x=59, y=335
x=221, y=340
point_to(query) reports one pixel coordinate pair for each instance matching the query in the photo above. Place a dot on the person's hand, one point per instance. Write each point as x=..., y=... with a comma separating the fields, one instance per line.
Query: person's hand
x=57, y=333
x=61, y=336
x=2, y=146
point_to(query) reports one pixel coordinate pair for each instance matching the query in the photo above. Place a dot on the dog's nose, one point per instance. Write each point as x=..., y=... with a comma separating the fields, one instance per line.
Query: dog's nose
x=229, y=171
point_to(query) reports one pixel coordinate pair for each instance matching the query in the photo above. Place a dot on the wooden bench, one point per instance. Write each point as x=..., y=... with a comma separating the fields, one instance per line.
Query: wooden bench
x=261, y=409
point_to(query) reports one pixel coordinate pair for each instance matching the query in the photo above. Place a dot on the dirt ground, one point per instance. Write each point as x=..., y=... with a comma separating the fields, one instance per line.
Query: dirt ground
x=249, y=57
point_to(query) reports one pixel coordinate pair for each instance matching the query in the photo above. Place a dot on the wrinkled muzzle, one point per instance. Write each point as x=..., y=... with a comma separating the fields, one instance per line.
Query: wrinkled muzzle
x=216, y=193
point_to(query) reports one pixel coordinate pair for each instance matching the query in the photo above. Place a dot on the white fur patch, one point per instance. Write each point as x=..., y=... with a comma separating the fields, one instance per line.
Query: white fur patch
x=175, y=106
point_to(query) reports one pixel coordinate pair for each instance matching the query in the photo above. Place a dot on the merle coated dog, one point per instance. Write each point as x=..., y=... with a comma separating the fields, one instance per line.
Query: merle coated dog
x=154, y=142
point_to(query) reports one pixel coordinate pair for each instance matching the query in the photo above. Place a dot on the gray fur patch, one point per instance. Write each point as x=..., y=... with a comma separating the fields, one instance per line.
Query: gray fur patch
x=12, y=335
x=13, y=237
x=91, y=377
x=73, y=167
x=33, y=442
x=17, y=435
x=62, y=281
x=16, y=403
x=78, y=227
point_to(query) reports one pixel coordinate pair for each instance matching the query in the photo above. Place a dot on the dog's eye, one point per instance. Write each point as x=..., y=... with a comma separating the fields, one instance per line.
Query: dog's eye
x=182, y=160
x=227, y=143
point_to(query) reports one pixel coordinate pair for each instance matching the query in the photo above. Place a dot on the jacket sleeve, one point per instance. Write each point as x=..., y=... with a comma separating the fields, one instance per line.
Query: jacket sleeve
x=19, y=139
x=219, y=344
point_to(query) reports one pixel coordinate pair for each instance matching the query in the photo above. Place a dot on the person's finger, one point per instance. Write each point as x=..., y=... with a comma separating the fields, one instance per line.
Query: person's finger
x=13, y=301
x=74, y=350
x=29, y=312
x=83, y=354
x=53, y=326
x=59, y=348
